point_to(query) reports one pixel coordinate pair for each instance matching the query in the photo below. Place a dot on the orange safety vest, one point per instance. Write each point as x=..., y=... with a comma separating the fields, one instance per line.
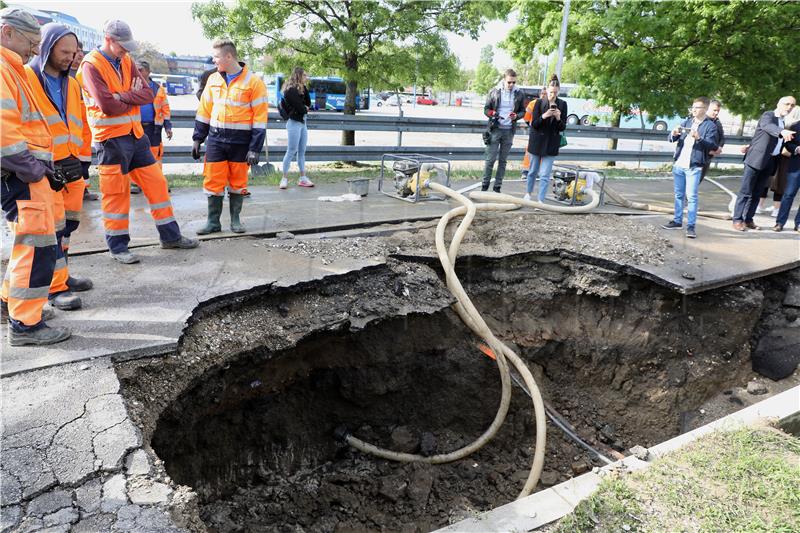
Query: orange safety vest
x=161, y=107
x=240, y=106
x=104, y=126
x=24, y=125
x=67, y=136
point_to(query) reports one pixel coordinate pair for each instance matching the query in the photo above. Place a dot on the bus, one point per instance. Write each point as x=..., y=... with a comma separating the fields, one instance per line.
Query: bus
x=587, y=112
x=327, y=92
x=174, y=84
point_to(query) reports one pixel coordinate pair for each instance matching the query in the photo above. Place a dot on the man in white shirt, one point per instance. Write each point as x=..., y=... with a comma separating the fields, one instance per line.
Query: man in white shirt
x=504, y=106
x=696, y=137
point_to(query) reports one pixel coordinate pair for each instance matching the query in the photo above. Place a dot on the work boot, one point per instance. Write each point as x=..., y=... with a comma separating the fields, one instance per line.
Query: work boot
x=47, y=312
x=66, y=301
x=89, y=195
x=38, y=337
x=184, y=243
x=126, y=257
x=214, y=212
x=236, y=201
x=79, y=284
x=135, y=189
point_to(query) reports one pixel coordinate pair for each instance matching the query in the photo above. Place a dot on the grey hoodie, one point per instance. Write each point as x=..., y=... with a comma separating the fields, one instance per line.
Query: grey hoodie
x=51, y=33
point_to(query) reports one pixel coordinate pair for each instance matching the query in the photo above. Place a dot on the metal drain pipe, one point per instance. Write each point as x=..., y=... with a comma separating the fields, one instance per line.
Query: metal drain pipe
x=473, y=319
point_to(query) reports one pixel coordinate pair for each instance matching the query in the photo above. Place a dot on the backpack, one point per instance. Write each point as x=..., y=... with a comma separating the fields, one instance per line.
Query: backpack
x=282, y=109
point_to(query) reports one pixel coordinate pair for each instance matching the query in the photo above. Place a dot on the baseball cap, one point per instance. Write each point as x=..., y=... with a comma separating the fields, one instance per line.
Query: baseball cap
x=20, y=19
x=121, y=32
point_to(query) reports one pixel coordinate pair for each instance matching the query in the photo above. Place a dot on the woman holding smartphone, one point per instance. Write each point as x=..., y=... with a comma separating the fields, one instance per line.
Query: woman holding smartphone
x=297, y=103
x=549, y=120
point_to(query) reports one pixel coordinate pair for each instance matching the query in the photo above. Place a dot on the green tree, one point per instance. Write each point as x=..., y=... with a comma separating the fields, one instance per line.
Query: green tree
x=657, y=56
x=344, y=37
x=148, y=52
x=486, y=75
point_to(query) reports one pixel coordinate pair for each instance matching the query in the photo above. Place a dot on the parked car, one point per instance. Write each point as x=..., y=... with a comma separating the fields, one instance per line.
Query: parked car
x=426, y=100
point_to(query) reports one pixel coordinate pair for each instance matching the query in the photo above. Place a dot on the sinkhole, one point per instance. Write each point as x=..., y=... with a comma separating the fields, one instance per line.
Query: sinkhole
x=245, y=413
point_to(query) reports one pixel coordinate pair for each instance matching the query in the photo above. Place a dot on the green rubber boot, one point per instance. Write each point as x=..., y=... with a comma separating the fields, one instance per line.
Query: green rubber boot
x=214, y=212
x=236, y=201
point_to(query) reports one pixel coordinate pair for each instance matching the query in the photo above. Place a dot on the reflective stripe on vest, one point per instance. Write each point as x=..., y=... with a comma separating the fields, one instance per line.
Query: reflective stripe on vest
x=105, y=126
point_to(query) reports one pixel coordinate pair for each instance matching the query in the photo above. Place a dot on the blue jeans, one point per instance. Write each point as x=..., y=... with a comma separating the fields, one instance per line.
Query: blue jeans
x=296, y=145
x=686, y=182
x=792, y=185
x=543, y=166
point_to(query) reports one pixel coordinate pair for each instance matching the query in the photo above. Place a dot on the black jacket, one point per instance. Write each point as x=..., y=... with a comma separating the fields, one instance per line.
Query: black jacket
x=792, y=146
x=295, y=103
x=759, y=155
x=493, y=102
x=545, y=134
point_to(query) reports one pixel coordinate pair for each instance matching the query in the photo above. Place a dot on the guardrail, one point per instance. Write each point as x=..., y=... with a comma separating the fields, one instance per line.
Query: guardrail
x=340, y=122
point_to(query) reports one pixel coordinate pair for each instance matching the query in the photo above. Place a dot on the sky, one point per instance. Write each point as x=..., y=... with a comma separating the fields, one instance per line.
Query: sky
x=169, y=26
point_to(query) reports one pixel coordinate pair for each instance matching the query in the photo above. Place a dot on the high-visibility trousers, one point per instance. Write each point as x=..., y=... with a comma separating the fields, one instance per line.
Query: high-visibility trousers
x=67, y=206
x=60, y=274
x=225, y=165
x=29, y=211
x=153, y=133
x=120, y=161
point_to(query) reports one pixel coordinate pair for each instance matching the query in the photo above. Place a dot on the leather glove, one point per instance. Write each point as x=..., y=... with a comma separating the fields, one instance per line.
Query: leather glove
x=70, y=168
x=85, y=169
x=196, y=150
x=252, y=158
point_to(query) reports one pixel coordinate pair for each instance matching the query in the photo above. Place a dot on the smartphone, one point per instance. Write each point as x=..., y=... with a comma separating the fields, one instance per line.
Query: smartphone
x=553, y=106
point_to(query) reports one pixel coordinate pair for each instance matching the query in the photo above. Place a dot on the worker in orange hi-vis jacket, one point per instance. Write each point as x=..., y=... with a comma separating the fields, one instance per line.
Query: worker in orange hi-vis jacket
x=86, y=151
x=113, y=90
x=526, y=161
x=155, y=116
x=28, y=182
x=233, y=116
x=59, y=97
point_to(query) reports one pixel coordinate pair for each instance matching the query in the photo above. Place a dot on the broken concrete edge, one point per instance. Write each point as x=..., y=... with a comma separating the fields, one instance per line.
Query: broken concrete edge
x=554, y=503
x=156, y=350
x=308, y=230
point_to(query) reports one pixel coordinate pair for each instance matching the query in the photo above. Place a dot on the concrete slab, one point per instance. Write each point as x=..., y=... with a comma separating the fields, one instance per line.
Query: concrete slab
x=139, y=310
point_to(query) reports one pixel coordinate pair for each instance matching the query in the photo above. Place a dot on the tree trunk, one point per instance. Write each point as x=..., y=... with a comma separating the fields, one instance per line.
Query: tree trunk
x=740, y=130
x=616, y=118
x=349, y=136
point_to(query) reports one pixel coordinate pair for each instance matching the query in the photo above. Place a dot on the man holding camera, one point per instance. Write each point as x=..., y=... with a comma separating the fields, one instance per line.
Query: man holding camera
x=59, y=97
x=696, y=137
x=504, y=106
x=26, y=160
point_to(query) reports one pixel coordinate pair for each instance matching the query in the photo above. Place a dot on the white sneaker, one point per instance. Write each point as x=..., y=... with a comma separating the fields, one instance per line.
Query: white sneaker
x=774, y=213
x=284, y=183
x=527, y=197
x=304, y=182
x=761, y=210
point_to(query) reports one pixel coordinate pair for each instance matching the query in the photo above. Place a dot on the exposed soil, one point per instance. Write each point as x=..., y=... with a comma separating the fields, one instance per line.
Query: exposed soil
x=245, y=411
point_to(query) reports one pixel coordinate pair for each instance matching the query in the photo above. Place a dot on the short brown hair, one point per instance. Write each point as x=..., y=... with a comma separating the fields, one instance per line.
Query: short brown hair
x=225, y=46
x=510, y=72
x=703, y=100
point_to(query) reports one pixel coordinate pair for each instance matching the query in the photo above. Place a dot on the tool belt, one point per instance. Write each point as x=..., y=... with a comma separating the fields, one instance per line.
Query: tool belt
x=68, y=169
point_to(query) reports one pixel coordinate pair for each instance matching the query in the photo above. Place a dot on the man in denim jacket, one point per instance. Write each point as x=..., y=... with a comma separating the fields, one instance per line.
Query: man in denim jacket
x=696, y=137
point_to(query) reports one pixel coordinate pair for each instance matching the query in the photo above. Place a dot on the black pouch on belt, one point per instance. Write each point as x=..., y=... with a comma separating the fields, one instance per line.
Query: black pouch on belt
x=70, y=168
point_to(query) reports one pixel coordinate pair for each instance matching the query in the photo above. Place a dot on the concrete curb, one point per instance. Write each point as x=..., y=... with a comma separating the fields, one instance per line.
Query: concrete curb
x=554, y=503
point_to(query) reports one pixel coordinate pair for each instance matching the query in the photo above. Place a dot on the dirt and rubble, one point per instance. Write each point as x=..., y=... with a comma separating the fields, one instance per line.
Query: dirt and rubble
x=245, y=411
